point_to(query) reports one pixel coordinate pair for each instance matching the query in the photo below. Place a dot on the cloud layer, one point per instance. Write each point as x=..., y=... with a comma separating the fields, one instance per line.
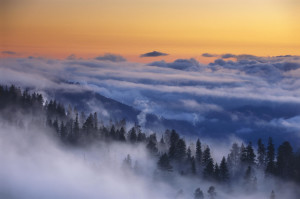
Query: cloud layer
x=222, y=97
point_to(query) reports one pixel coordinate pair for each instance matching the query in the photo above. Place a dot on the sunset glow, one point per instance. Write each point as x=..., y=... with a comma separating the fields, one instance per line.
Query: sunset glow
x=181, y=28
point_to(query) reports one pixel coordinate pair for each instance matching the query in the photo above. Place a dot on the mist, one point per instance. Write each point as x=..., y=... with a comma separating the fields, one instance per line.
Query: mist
x=34, y=164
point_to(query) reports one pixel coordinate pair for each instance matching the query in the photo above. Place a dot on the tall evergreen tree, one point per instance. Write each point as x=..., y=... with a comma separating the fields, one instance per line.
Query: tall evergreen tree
x=164, y=163
x=250, y=154
x=208, y=172
x=224, y=174
x=151, y=146
x=132, y=135
x=212, y=192
x=174, y=138
x=198, y=152
x=270, y=168
x=180, y=150
x=233, y=160
x=75, y=134
x=285, y=161
x=206, y=156
x=193, y=165
x=217, y=172
x=95, y=121
x=198, y=194
x=261, y=154
x=272, y=196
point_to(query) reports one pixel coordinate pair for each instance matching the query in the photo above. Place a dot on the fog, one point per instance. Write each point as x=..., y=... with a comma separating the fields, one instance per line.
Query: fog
x=35, y=165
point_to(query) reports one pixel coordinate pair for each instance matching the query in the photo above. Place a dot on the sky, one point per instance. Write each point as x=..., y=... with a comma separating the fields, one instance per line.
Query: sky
x=179, y=28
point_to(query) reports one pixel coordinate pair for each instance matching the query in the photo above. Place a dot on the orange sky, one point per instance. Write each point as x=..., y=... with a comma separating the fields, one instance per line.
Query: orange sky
x=181, y=28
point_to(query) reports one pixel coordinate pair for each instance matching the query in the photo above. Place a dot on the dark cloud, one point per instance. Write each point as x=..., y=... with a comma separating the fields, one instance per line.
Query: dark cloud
x=179, y=64
x=209, y=55
x=72, y=57
x=111, y=57
x=9, y=52
x=228, y=55
x=153, y=54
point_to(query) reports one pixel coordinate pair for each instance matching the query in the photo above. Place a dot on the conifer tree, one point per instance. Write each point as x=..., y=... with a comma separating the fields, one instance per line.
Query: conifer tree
x=285, y=161
x=261, y=154
x=174, y=138
x=198, y=152
x=132, y=135
x=198, y=194
x=208, y=171
x=211, y=192
x=151, y=146
x=193, y=165
x=272, y=196
x=270, y=168
x=224, y=174
x=250, y=154
x=206, y=156
x=180, y=150
x=164, y=163
x=217, y=172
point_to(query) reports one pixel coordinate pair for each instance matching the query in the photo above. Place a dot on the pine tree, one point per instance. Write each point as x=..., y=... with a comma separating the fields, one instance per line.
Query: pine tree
x=272, y=196
x=180, y=152
x=243, y=154
x=76, y=128
x=164, y=163
x=132, y=135
x=198, y=194
x=212, y=192
x=285, y=161
x=127, y=162
x=122, y=135
x=250, y=154
x=151, y=146
x=208, y=171
x=174, y=138
x=189, y=153
x=88, y=125
x=95, y=121
x=270, y=169
x=261, y=154
x=233, y=160
x=193, y=165
x=217, y=172
x=206, y=156
x=63, y=131
x=198, y=152
x=224, y=174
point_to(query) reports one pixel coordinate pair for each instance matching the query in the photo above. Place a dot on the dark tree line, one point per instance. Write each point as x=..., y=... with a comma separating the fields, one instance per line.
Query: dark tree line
x=172, y=152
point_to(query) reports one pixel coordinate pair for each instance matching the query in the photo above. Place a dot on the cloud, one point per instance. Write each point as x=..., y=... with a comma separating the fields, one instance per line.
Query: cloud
x=208, y=95
x=111, y=57
x=179, y=64
x=209, y=55
x=228, y=55
x=9, y=52
x=153, y=54
x=72, y=57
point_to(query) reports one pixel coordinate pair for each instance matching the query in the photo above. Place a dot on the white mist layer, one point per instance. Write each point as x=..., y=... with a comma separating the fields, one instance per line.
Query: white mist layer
x=34, y=165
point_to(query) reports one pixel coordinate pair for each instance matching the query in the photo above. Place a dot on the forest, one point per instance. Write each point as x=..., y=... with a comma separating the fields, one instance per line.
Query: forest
x=244, y=165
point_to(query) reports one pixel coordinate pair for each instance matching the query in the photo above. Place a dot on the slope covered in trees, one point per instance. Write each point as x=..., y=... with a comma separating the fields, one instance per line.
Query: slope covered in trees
x=171, y=152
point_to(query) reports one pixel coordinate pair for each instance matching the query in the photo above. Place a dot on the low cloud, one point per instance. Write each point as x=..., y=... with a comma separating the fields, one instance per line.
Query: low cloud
x=179, y=64
x=207, y=95
x=111, y=57
x=9, y=52
x=209, y=55
x=153, y=54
